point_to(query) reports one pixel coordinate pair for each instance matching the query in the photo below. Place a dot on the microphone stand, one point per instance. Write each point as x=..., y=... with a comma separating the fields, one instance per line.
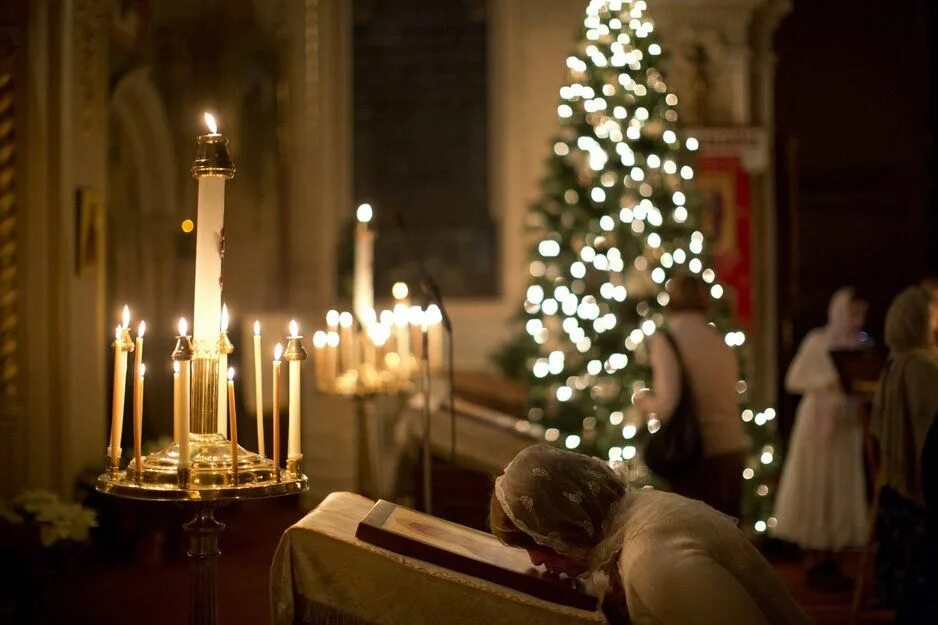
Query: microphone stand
x=425, y=386
x=431, y=293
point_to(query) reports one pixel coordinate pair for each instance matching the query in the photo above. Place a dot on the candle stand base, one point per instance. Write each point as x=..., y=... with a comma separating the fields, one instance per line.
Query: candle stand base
x=214, y=477
x=203, y=531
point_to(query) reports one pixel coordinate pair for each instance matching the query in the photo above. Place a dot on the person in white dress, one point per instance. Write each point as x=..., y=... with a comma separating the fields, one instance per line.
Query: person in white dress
x=668, y=560
x=821, y=502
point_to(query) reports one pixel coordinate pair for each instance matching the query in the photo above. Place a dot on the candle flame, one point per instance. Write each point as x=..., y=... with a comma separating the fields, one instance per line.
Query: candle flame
x=210, y=122
x=117, y=333
x=230, y=374
x=278, y=352
x=345, y=319
x=433, y=314
x=143, y=369
x=399, y=290
x=319, y=339
x=141, y=329
x=125, y=317
x=294, y=328
x=332, y=318
x=364, y=213
x=332, y=339
x=175, y=367
x=257, y=328
x=224, y=317
x=183, y=326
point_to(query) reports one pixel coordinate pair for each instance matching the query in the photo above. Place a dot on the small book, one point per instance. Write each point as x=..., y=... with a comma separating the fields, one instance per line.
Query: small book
x=858, y=369
x=468, y=551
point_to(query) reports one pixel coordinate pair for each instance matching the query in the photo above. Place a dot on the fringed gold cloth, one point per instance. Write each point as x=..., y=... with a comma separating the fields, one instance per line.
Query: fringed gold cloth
x=322, y=574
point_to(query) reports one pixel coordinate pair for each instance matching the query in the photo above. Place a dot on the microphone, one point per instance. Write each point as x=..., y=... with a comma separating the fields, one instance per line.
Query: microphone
x=428, y=285
x=431, y=293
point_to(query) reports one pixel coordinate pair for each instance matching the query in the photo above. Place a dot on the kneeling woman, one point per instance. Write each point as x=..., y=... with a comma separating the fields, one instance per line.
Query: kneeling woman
x=676, y=560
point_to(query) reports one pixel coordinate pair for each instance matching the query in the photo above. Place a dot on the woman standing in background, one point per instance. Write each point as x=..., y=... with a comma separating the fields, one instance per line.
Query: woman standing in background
x=821, y=503
x=903, y=424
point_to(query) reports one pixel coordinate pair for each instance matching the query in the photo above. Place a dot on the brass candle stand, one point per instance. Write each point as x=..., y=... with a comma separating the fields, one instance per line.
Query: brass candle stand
x=214, y=477
x=203, y=468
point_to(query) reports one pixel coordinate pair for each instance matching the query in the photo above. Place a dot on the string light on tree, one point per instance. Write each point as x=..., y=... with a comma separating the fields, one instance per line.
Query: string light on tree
x=617, y=219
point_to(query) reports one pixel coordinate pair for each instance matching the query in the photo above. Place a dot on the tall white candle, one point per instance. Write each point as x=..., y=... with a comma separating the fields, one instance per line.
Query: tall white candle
x=363, y=296
x=258, y=388
x=275, y=454
x=138, y=392
x=222, y=414
x=332, y=358
x=208, y=250
x=120, y=388
x=138, y=417
x=177, y=409
x=349, y=344
x=184, y=388
x=233, y=417
x=402, y=328
x=294, y=436
x=435, y=339
x=319, y=359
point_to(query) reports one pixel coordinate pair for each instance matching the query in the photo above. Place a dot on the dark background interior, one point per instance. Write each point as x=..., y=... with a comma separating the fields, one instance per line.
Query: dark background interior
x=854, y=102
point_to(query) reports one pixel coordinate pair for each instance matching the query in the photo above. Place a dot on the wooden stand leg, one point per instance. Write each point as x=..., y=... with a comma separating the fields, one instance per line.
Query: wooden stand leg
x=203, y=531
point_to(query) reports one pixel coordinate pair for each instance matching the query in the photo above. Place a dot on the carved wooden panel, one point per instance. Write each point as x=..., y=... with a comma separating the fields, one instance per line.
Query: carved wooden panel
x=10, y=348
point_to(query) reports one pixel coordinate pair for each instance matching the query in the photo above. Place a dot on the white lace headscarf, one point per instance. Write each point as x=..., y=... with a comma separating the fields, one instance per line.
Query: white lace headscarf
x=565, y=501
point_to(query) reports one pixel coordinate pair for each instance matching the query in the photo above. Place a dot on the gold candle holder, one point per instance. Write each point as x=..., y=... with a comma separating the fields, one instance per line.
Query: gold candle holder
x=204, y=398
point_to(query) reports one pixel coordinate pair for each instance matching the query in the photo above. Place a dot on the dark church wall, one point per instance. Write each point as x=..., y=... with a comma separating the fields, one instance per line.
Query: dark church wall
x=854, y=158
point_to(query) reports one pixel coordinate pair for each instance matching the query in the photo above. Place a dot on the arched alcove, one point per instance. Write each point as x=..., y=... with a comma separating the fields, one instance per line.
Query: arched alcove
x=142, y=227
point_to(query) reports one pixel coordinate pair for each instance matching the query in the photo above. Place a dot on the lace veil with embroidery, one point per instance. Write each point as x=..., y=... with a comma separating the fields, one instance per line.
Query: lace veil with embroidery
x=565, y=501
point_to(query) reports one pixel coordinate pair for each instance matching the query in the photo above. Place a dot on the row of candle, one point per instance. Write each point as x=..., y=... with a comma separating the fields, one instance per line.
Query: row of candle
x=182, y=376
x=385, y=346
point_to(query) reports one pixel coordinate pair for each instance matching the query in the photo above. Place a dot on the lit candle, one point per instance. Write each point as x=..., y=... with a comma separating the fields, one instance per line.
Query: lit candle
x=295, y=355
x=212, y=167
x=138, y=392
x=368, y=345
x=332, y=358
x=434, y=320
x=183, y=356
x=363, y=294
x=278, y=352
x=177, y=409
x=233, y=422
x=258, y=388
x=402, y=328
x=349, y=342
x=416, y=335
x=122, y=345
x=224, y=348
x=138, y=418
x=319, y=358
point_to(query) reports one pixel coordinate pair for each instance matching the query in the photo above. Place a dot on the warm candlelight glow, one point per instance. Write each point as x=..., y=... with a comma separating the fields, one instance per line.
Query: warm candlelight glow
x=141, y=329
x=364, y=213
x=257, y=328
x=319, y=339
x=230, y=374
x=278, y=352
x=294, y=328
x=224, y=317
x=345, y=319
x=332, y=318
x=125, y=317
x=183, y=326
x=332, y=339
x=210, y=122
x=399, y=290
x=143, y=370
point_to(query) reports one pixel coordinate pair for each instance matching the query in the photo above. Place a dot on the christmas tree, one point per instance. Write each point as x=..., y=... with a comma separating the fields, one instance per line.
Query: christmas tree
x=617, y=218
